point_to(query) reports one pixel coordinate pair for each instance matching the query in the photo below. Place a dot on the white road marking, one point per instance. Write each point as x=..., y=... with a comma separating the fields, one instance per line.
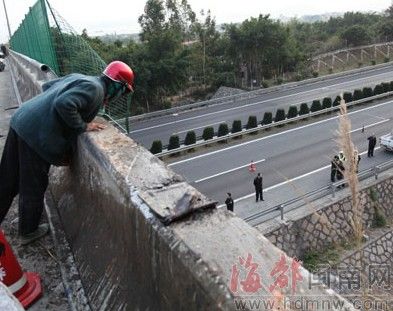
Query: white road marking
x=247, y=105
x=370, y=125
x=228, y=171
x=277, y=134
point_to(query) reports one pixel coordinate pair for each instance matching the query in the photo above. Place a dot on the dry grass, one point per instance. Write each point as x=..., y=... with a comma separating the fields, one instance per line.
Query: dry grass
x=350, y=165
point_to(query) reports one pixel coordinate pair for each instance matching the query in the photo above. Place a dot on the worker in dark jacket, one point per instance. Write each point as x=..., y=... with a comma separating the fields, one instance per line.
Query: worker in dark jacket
x=258, y=184
x=43, y=132
x=229, y=202
x=372, y=141
x=334, y=168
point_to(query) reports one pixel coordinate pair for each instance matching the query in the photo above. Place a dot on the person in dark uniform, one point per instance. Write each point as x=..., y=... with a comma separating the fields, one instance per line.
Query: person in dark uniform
x=340, y=170
x=372, y=141
x=43, y=132
x=229, y=202
x=333, y=169
x=258, y=184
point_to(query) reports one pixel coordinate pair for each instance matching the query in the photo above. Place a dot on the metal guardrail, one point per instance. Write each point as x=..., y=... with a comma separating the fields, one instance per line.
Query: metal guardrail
x=267, y=126
x=316, y=194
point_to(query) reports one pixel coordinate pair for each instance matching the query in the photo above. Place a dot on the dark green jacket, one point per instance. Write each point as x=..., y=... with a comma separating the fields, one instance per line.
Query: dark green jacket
x=50, y=122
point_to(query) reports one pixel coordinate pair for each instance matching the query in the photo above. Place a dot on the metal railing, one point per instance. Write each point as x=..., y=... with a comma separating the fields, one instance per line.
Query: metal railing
x=330, y=189
x=267, y=126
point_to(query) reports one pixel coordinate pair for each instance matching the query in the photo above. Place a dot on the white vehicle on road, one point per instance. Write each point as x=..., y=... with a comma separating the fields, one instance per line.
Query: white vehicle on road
x=386, y=141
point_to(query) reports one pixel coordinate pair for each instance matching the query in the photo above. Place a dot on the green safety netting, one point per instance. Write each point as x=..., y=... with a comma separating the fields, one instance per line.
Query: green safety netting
x=46, y=37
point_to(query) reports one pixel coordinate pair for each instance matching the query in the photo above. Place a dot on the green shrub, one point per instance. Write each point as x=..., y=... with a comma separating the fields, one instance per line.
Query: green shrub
x=267, y=118
x=292, y=112
x=174, y=142
x=315, y=74
x=391, y=85
x=337, y=101
x=315, y=106
x=357, y=94
x=236, y=126
x=252, y=122
x=386, y=87
x=326, y=103
x=330, y=70
x=360, y=64
x=279, y=81
x=208, y=133
x=378, y=89
x=265, y=84
x=367, y=92
x=304, y=109
x=347, y=97
x=222, y=129
x=373, y=62
x=156, y=147
x=190, y=138
x=280, y=115
x=386, y=59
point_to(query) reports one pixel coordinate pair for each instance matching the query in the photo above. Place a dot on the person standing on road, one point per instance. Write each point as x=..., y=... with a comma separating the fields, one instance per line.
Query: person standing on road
x=372, y=141
x=333, y=169
x=340, y=170
x=229, y=202
x=356, y=159
x=258, y=184
x=43, y=132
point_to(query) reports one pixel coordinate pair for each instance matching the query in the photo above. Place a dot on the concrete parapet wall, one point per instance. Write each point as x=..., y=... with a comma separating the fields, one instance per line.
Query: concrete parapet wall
x=127, y=258
x=316, y=227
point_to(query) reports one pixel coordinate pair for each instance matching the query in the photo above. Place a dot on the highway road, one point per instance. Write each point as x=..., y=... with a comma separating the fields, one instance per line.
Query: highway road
x=163, y=127
x=285, y=155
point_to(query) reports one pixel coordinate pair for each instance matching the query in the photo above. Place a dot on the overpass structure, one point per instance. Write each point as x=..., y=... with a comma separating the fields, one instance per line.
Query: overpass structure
x=143, y=238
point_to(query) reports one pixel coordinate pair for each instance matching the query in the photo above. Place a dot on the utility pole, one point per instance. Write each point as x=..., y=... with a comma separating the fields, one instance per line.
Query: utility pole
x=8, y=22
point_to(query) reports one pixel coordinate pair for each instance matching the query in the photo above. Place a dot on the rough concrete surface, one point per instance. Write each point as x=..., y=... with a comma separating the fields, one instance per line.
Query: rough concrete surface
x=40, y=256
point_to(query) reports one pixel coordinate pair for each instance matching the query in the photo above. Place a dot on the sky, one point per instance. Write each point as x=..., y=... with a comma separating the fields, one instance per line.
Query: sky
x=121, y=16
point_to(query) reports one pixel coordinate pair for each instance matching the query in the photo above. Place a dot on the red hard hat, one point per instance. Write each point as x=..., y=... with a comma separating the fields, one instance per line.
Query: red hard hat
x=120, y=72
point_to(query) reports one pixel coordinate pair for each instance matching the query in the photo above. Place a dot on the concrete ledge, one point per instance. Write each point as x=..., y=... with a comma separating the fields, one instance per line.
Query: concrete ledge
x=127, y=258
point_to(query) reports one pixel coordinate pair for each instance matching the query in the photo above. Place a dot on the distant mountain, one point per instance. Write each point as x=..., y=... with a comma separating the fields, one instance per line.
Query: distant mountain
x=311, y=18
x=110, y=38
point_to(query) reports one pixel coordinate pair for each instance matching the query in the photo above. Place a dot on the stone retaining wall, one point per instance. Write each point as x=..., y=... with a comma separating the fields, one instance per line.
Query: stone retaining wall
x=331, y=223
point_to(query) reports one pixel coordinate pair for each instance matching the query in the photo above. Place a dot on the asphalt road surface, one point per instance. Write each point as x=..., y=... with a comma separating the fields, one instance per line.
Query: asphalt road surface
x=146, y=131
x=286, y=155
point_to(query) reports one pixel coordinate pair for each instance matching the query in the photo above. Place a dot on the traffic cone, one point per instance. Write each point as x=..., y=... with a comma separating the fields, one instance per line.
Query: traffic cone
x=25, y=286
x=252, y=167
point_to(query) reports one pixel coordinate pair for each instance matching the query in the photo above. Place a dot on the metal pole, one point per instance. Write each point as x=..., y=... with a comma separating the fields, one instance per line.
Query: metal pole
x=6, y=17
x=282, y=211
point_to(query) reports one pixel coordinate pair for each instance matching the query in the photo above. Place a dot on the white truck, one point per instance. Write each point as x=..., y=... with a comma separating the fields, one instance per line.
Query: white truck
x=386, y=141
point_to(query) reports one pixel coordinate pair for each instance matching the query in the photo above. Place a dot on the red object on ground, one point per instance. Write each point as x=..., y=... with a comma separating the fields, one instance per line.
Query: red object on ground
x=252, y=167
x=25, y=286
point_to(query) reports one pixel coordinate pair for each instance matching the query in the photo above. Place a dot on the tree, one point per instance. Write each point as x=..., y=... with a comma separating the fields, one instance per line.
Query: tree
x=237, y=126
x=252, y=122
x=190, y=138
x=304, y=109
x=156, y=147
x=280, y=115
x=222, y=130
x=326, y=103
x=208, y=133
x=315, y=106
x=267, y=118
x=292, y=112
x=355, y=35
x=174, y=142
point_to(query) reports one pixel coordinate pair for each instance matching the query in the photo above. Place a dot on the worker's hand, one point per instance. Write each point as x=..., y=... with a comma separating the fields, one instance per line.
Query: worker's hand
x=93, y=126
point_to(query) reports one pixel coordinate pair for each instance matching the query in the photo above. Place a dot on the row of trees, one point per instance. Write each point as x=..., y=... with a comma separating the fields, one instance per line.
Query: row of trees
x=280, y=115
x=179, y=52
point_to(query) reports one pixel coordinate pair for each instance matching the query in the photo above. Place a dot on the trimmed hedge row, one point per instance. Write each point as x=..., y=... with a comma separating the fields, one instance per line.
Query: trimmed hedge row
x=293, y=111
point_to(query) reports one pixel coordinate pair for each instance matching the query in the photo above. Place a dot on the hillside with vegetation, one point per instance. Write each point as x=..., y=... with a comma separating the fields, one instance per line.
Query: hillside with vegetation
x=181, y=55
